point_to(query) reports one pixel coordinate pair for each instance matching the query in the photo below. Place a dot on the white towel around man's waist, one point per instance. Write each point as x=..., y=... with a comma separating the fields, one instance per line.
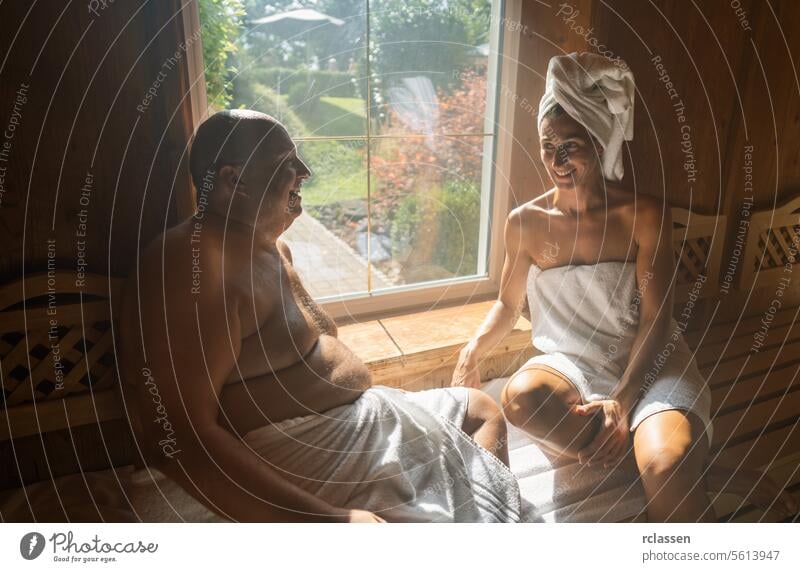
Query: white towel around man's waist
x=400, y=454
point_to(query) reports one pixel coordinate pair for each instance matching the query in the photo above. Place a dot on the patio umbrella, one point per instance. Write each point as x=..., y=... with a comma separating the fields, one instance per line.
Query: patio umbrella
x=296, y=22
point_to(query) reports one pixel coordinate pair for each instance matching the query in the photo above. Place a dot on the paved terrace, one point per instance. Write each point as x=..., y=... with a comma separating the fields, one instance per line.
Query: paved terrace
x=327, y=265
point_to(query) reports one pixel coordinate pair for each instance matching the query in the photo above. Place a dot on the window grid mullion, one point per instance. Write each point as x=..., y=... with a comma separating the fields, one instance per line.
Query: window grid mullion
x=368, y=152
x=377, y=137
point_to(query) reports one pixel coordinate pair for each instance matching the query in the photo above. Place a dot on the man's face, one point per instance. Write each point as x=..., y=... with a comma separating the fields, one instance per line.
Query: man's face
x=569, y=153
x=274, y=181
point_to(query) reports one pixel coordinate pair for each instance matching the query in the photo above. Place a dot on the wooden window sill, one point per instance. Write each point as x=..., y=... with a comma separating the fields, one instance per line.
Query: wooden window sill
x=419, y=350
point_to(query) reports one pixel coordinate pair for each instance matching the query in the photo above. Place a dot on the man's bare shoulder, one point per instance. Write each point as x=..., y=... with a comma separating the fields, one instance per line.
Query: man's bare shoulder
x=187, y=256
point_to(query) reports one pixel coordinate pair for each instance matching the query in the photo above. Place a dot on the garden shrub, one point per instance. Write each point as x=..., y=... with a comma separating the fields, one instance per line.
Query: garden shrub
x=405, y=224
x=299, y=97
x=459, y=223
x=255, y=96
x=455, y=215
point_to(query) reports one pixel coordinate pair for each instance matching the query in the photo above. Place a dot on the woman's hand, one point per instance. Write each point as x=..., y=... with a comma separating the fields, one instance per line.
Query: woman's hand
x=611, y=442
x=364, y=516
x=466, y=373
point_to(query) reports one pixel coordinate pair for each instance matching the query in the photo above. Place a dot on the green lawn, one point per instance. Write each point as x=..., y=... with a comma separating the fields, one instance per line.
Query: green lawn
x=334, y=116
x=339, y=171
x=339, y=167
x=354, y=105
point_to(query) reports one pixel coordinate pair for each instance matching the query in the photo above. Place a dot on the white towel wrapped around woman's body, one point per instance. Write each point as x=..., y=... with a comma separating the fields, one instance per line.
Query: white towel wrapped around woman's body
x=585, y=318
x=400, y=454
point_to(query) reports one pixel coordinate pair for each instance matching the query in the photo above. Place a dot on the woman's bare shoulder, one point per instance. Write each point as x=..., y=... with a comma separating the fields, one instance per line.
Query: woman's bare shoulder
x=537, y=208
x=639, y=206
x=651, y=217
x=529, y=217
x=651, y=209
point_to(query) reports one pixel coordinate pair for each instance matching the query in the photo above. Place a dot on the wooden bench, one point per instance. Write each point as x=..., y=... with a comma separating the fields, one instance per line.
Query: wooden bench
x=61, y=411
x=419, y=351
x=752, y=359
x=773, y=240
x=755, y=399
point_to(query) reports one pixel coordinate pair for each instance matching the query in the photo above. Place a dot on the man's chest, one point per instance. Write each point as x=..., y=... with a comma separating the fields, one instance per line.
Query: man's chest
x=270, y=299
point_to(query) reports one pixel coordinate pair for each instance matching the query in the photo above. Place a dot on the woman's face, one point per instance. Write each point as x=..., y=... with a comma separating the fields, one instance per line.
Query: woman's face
x=569, y=152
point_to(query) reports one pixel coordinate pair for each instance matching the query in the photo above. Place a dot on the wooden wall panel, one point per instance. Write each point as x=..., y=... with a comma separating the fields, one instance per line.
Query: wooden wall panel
x=679, y=151
x=771, y=102
x=86, y=170
x=71, y=83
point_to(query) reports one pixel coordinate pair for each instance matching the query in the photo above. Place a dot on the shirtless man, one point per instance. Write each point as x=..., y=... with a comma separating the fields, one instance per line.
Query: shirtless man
x=219, y=336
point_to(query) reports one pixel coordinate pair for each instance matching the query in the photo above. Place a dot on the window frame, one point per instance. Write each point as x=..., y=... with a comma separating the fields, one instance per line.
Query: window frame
x=494, y=208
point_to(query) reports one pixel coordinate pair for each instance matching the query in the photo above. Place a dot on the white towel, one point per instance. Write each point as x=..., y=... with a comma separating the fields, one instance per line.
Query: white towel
x=585, y=318
x=597, y=93
x=400, y=454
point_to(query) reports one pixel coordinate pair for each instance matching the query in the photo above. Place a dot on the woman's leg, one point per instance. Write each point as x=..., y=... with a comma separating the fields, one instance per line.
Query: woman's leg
x=484, y=422
x=671, y=450
x=541, y=401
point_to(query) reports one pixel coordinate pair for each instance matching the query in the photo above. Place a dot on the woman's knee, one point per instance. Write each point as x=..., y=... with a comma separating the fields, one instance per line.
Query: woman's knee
x=669, y=451
x=525, y=398
x=661, y=463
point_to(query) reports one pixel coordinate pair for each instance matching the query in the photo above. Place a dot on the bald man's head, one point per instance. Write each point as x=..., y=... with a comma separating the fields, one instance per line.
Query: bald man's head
x=236, y=136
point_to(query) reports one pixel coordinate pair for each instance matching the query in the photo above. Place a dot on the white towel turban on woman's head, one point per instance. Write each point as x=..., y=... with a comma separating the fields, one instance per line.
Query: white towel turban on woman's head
x=598, y=94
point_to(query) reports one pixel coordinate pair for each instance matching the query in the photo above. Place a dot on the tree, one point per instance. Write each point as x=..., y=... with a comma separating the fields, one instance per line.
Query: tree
x=434, y=38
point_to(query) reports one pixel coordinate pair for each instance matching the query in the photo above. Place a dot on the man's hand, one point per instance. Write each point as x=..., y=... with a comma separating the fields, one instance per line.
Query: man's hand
x=364, y=516
x=466, y=373
x=611, y=442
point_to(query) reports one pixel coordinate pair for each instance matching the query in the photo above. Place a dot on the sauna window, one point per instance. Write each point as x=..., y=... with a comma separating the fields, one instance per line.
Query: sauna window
x=393, y=105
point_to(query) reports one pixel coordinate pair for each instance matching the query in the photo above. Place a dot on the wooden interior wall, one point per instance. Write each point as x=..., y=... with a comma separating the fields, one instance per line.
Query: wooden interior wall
x=734, y=72
x=93, y=130
x=80, y=153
